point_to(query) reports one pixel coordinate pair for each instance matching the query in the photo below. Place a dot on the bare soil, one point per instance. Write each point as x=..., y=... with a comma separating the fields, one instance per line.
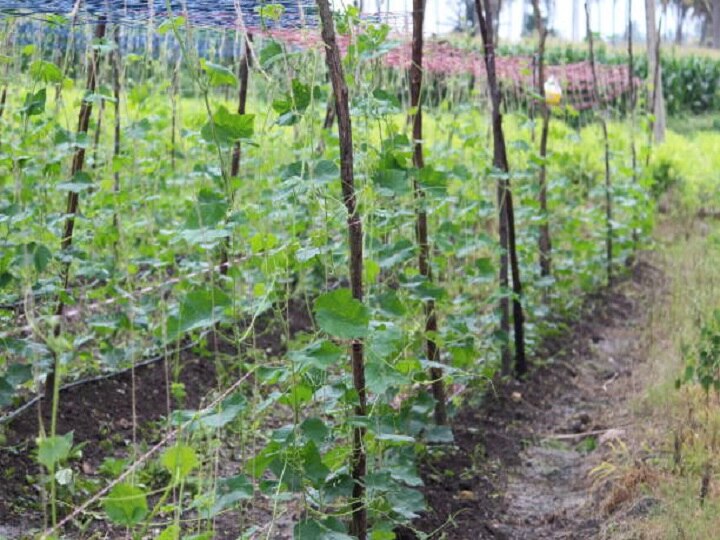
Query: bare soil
x=101, y=416
x=522, y=463
x=520, y=467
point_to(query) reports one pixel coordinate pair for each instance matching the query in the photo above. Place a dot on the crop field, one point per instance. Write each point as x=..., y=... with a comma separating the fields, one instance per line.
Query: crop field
x=254, y=274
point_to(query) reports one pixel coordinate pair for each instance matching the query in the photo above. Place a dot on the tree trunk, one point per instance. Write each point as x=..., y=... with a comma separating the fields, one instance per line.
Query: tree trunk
x=416, y=79
x=505, y=203
x=342, y=108
x=682, y=13
x=716, y=23
x=657, y=100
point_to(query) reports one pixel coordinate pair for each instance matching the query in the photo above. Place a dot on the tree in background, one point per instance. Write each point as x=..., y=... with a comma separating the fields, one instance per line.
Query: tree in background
x=657, y=100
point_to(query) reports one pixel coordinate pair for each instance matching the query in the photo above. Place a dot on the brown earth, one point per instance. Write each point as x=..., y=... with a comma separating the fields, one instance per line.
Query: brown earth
x=522, y=466
x=100, y=415
x=522, y=461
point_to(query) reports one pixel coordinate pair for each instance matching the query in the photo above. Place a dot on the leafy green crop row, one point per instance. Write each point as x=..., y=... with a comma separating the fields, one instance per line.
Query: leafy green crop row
x=155, y=219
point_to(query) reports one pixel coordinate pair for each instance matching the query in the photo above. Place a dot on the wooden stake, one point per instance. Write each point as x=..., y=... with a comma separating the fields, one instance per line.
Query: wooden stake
x=342, y=108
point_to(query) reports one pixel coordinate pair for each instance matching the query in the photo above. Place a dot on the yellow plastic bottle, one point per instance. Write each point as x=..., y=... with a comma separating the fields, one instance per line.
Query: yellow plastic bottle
x=553, y=91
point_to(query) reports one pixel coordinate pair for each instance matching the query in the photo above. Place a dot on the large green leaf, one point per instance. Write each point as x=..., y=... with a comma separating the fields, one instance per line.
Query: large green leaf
x=341, y=315
x=227, y=411
x=219, y=75
x=321, y=355
x=228, y=127
x=329, y=529
x=46, y=72
x=230, y=491
x=179, y=460
x=34, y=103
x=314, y=429
x=210, y=209
x=200, y=308
x=6, y=392
x=53, y=450
x=126, y=505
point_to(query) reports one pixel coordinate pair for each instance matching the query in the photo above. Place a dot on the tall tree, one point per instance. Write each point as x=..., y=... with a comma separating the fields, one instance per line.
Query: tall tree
x=657, y=99
x=506, y=217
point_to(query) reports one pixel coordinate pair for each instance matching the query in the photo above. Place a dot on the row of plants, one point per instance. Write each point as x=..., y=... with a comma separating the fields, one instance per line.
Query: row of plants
x=193, y=222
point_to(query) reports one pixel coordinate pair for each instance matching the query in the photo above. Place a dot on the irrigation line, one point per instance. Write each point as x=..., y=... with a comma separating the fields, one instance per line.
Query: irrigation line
x=6, y=418
x=142, y=459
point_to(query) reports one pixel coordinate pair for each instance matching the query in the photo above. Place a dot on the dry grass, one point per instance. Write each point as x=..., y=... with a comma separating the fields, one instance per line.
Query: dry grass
x=673, y=453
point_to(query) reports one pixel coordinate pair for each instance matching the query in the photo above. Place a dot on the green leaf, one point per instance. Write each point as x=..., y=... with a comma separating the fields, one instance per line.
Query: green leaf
x=315, y=430
x=401, y=251
x=7, y=391
x=175, y=23
x=81, y=181
x=270, y=52
x=341, y=315
x=210, y=209
x=315, y=470
x=297, y=395
x=200, y=308
x=312, y=529
x=271, y=11
x=320, y=355
x=229, y=409
x=228, y=127
x=439, y=434
x=179, y=460
x=34, y=103
x=172, y=532
x=485, y=268
x=18, y=374
x=230, y=491
x=391, y=305
x=219, y=75
x=53, y=450
x=46, y=72
x=126, y=505
x=407, y=502
x=36, y=254
x=433, y=181
x=393, y=181
x=41, y=257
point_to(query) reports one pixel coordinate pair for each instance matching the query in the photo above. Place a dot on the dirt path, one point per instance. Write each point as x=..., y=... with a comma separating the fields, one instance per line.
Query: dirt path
x=522, y=467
